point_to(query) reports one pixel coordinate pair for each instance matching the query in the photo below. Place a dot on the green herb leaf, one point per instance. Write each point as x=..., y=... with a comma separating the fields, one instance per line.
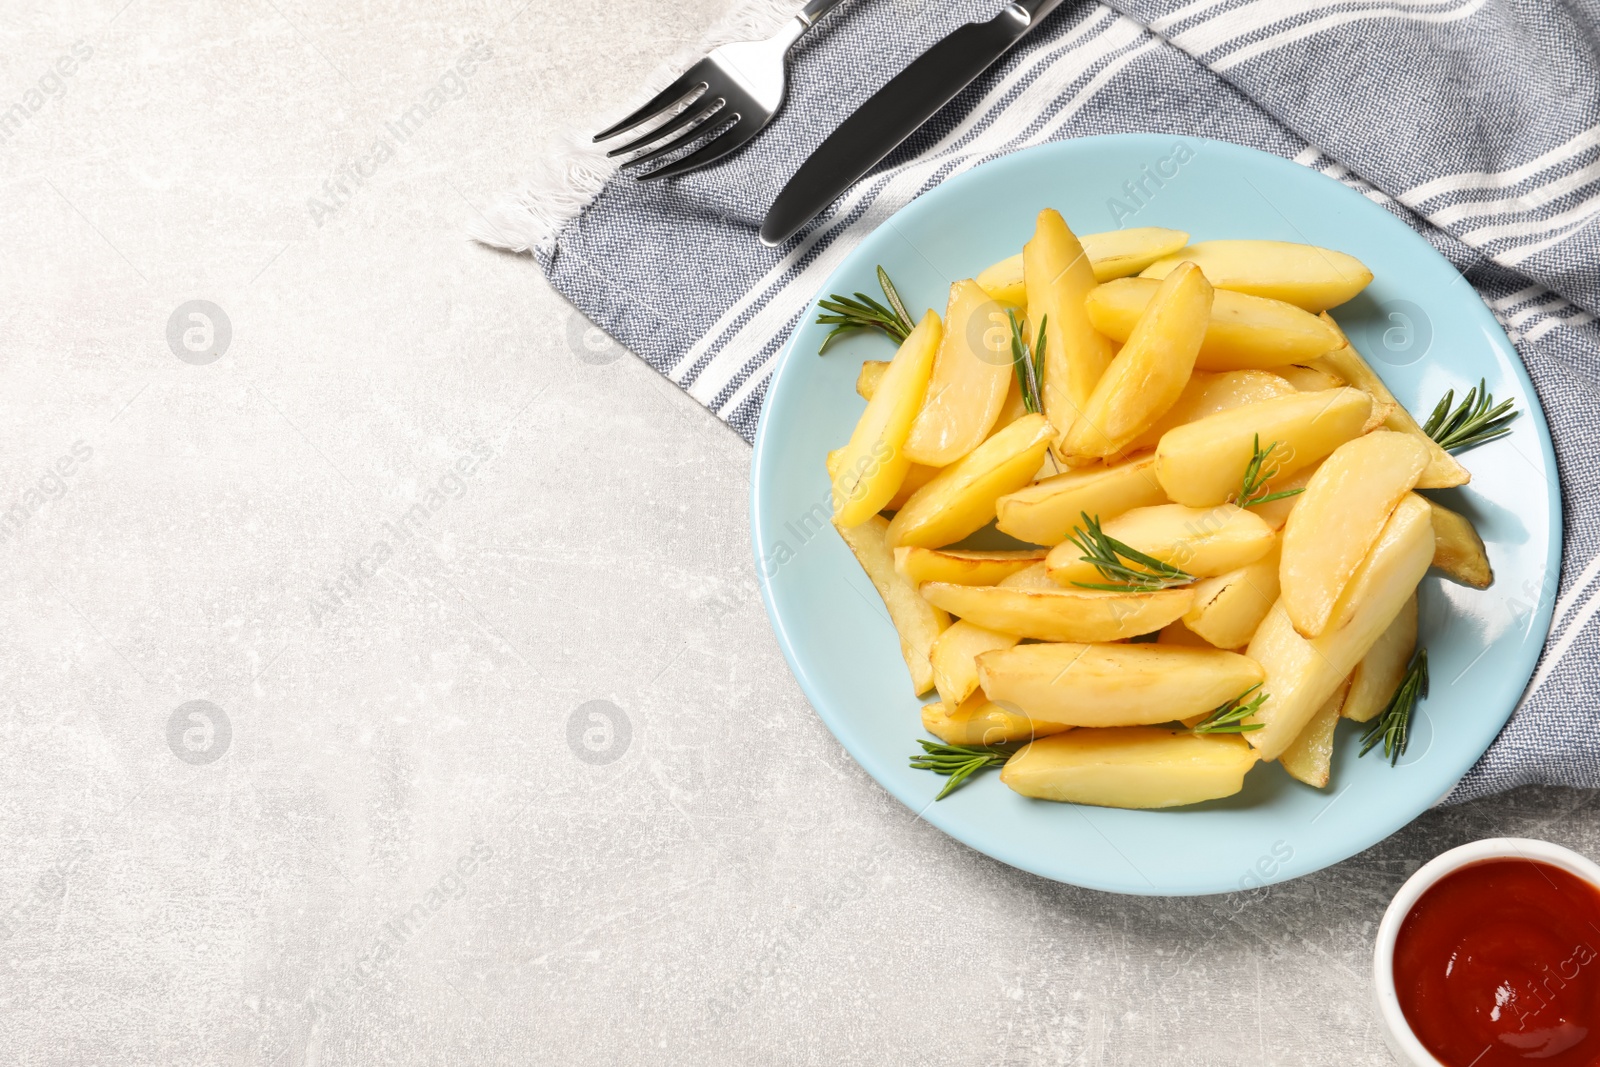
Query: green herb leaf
x=1253, y=490
x=958, y=762
x=1038, y=365
x=861, y=312
x=1228, y=717
x=1393, y=724
x=1475, y=420
x=1029, y=369
x=1139, y=574
x=891, y=294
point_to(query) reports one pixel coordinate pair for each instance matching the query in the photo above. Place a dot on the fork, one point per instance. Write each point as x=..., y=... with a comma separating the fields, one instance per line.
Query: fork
x=742, y=82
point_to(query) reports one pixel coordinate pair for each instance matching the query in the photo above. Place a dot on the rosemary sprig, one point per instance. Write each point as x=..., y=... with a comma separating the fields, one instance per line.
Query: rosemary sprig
x=1029, y=369
x=958, y=762
x=862, y=312
x=1477, y=419
x=1257, y=474
x=1107, y=554
x=1393, y=724
x=1228, y=717
x=891, y=294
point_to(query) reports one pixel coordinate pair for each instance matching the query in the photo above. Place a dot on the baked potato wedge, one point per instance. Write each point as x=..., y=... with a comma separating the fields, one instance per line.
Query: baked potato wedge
x=1058, y=276
x=1114, y=685
x=917, y=622
x=915, y=478
x=1309, y=758
x=1443, y=469
x=1383, y=668
x=1149, y=373
x=1202, y=463
x=1229, y=608
x=971, y=375
x=1208, y=393
x=1113, y=254
x=954, y=657
x=869, y=376
x=1200, y=541
x=961, y=498
x=980, y=721
x=1131, y=767
x=874, y=463
x=1303, y=275
x=1302, y=673
x=1119, y=253
x=1338, y=519
x=1242, y=332
x=1045, y=513
x=962, y=566
x=1458, y=551
x=1084, y=615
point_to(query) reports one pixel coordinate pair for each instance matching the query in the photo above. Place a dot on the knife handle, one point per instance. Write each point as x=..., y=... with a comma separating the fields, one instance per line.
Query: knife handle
x=1036, y=9
x=815, y=9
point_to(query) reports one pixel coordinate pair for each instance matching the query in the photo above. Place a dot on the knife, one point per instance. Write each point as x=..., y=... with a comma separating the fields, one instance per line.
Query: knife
x=895, y=112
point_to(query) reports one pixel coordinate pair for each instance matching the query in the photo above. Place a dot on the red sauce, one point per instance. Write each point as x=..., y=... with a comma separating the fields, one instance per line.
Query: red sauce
x=1499, y=963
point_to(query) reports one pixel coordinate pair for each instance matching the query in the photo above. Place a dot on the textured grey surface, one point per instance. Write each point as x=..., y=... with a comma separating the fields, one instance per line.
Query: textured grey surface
x=382, y=846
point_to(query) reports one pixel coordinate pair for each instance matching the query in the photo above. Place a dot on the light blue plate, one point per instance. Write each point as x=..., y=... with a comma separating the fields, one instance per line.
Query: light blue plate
x=1420, y=325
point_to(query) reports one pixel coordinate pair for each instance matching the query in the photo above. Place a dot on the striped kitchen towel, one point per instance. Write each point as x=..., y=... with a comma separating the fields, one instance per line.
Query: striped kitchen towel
x=1475, y=121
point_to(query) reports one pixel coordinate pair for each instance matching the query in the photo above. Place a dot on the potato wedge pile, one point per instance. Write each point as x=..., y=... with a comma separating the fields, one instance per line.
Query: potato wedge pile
x=1213, y=499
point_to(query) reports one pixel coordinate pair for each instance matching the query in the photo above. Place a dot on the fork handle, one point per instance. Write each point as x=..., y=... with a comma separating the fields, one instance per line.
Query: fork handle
x=814, y=10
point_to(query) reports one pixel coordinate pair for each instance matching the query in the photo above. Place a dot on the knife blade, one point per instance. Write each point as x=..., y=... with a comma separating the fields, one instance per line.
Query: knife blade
x=895, y=112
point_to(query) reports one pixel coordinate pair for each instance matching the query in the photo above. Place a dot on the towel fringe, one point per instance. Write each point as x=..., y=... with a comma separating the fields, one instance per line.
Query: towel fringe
x=570, y=172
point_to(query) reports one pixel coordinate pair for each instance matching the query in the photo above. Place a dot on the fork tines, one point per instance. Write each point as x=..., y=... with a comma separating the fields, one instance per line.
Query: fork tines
x=717, y=106
x=693, y=81
x=695, y=105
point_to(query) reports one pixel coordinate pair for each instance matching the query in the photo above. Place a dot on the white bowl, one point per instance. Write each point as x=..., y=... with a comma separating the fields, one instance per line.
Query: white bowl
x=1396, y=1031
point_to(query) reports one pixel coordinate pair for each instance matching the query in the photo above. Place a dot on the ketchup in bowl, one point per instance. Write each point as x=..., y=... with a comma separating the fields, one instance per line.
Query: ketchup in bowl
x=1499, y=963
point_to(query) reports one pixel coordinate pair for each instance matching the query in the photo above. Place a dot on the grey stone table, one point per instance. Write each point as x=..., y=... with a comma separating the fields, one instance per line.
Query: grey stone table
x=306, y=588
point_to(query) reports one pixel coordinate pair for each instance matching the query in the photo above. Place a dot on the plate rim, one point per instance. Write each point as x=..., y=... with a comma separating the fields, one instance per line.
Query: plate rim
x=810, y=686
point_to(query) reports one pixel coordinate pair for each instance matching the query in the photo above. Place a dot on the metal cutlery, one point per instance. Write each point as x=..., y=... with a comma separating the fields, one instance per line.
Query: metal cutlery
x=895, y=112
x=741, y=83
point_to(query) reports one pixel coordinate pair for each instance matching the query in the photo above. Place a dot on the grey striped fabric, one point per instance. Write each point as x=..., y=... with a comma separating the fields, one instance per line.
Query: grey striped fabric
x=1475, y=121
